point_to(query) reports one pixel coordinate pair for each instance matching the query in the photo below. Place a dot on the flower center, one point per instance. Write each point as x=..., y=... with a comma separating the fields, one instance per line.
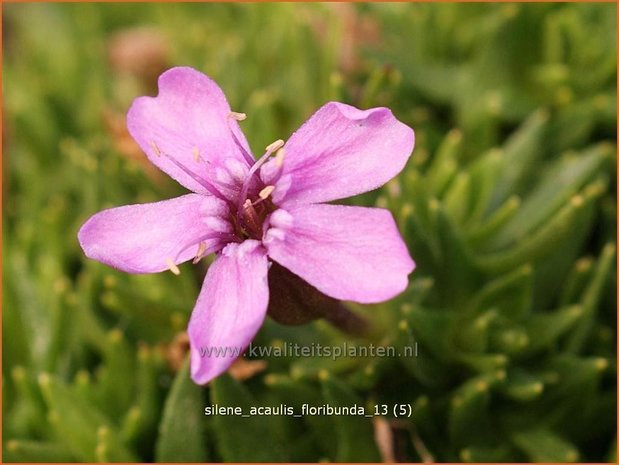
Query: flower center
x=252, y=211
x=250, y=217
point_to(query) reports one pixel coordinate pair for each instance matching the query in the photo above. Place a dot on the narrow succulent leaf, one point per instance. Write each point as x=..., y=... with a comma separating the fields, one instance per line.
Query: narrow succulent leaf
x=445, y=163
x=182, y=435
x=424, y=421
x=483, y=362
x=421, y=239
x=36, y=320
x=510, y=339
x=522, y=386
x=423, y=352
x=424, y=326
x=472, y=335
x=484, y=175
x=110, y=447
x=562, y=181
x=486, y=454
x=479, y=235
x=546, y=329
x=355, y=439
x=458, y=198
x=139, y=425
x=76, y=423
x=232, y=431
x=519, y=154
x=29, y=451
x=569, y=375
x=509, y=294
x=295, y=392
x=591, y=297
x=458, y=272
x=469, y=406
x=547, y=238
x=115, y=383
x=573, y=126
x=542, y=445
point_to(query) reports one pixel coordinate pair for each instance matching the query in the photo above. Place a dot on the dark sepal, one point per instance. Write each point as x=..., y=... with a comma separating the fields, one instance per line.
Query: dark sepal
x=293, y=301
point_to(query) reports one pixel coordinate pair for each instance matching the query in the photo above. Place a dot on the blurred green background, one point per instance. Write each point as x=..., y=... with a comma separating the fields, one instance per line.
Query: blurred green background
x=508, y=206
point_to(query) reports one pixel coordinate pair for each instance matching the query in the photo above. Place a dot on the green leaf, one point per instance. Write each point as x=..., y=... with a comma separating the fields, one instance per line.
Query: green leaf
x=116, y=380
x=562, y=181
x=479, y=234
x=471, y=334
x=548, y=239
x=232, y=431
x=355, y=436
x=487, y=454
x=78, y=425
x=522, y=386
x=543, y=445
x=36, y=452
x=182, y=432
x=445, y=163
x=296, y=392
x=519, y=155
x=484, y=362
x=469, y=406
x=591, y=298
x=545, y=329
x=428, y=327
x=510, y=294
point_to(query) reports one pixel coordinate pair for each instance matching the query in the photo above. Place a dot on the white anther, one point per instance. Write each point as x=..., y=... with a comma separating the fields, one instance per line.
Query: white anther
x=200, y=252
x=238, y=116
x=279, y=157
x=264, y=193
x=172, y=266
x=278, y=144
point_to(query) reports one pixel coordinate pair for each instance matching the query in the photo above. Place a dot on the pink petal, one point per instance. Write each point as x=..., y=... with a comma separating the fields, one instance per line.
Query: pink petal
x=349, y=253
x=189, y=121
x=230, y=310
x=342, y=151
x=145, y=238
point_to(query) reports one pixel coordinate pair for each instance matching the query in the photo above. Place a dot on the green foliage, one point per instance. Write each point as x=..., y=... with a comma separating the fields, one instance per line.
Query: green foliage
x=507, y=207
x=182, y=433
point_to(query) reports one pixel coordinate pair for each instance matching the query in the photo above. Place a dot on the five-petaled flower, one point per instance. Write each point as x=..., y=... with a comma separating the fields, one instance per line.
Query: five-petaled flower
x=252, y=212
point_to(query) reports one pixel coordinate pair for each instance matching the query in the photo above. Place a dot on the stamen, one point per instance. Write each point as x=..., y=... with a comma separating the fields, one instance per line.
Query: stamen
x=278, y=144
x=271, y=171
x=248, y=158
x=172, y=266
x=279, y=157
x=264, y=193
x=203, y=182
x=251, y=216
x=238, y=116
x=196, y=153
x=223, y=239
x=199, y=253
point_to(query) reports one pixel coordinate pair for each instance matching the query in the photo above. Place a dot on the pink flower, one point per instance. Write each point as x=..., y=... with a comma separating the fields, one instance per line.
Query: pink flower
x=251, y=212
